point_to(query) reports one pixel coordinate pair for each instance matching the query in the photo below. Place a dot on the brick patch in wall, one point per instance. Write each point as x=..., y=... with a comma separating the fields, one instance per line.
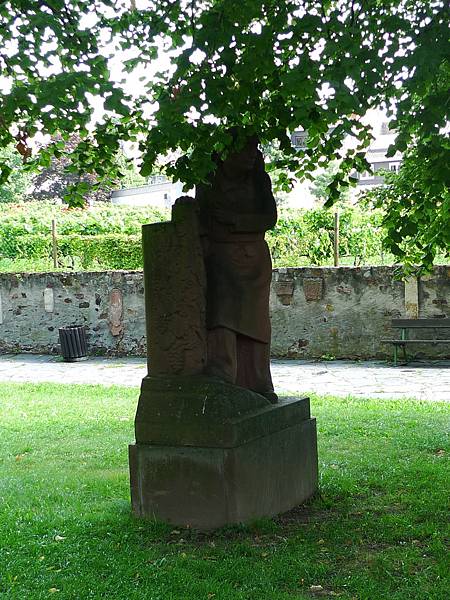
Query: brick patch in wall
x=313, y=288
x=115, y=312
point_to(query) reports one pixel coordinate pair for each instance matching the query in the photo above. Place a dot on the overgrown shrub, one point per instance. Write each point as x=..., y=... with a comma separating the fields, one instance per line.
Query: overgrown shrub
x=36, y=217
x=108, y=251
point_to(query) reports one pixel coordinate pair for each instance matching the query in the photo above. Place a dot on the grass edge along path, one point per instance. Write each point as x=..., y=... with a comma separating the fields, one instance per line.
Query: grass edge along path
x=375, y=531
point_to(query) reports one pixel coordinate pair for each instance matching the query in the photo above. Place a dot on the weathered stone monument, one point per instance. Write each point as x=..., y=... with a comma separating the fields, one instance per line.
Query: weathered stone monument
x=214, y=445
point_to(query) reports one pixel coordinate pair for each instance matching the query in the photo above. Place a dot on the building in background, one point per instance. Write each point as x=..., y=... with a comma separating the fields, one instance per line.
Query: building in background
x=376, y=157
x=376, y=154
x=158, y=192
x=301, y=197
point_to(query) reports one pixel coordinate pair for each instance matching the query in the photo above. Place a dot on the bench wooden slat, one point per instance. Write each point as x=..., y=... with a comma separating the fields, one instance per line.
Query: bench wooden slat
x=401, y=342
x=407, y=324
x=418, y=323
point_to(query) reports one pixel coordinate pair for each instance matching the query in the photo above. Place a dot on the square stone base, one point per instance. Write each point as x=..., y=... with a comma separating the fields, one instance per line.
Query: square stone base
x=208, y=487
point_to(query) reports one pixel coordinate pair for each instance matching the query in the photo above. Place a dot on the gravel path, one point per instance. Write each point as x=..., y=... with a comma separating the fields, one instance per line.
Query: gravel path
x=425, y=380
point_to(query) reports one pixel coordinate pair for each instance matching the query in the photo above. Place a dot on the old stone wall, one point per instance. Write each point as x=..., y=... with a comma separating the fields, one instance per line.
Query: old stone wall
x=345, y=312
x=339, y=312
x=109, y=303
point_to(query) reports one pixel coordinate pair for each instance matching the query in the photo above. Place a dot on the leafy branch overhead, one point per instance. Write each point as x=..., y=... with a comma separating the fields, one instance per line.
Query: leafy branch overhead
x=416, y=205
x=266, y=66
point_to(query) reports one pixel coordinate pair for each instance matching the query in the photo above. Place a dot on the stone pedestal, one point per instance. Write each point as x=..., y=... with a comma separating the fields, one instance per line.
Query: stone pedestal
x=209, y=454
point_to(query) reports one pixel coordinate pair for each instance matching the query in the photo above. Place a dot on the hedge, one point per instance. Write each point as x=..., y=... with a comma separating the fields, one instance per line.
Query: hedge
x=112, y=251
x=307, y=236
x=36, y=218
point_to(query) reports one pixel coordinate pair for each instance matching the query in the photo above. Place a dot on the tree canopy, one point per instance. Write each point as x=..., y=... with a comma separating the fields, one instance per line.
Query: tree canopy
x=53, y=182
x=319, y=187
x=263, y=66
x=417, y=212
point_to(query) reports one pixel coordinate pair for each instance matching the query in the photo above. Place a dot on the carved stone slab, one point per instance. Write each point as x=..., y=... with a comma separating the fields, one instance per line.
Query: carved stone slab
x=115, y=312
x=175, y=295
x=285, y=291
x=49, y=300
x=313, y=288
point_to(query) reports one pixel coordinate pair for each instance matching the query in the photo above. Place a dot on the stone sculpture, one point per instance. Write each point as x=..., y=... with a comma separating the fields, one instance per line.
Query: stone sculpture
x=212, y=444
x=235, y=211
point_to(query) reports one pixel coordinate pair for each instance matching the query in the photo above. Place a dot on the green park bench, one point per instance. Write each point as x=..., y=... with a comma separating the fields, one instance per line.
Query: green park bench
x=405, y=325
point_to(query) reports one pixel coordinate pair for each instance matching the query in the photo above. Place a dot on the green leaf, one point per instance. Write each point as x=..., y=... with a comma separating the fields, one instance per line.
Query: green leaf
x=5, y=172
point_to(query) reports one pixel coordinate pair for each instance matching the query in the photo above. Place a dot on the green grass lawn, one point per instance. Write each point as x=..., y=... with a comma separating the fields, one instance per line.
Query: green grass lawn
x=376, y=531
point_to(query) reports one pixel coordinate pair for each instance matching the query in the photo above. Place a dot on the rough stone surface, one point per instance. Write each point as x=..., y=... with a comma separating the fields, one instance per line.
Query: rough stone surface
x=115, y=312
x=203, y=411
x=348, y=321
x=412, y=298
x=344, y=312
x=204, y=454
x=225, y=484
x=284, y=291
x=47, y=301
x=313, y=288
x=176, y=295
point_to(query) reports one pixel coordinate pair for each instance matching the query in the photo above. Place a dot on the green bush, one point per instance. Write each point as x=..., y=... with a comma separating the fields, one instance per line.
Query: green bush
x=33, y=246
x=103, y=237
x=112, y=251
x=36, y=217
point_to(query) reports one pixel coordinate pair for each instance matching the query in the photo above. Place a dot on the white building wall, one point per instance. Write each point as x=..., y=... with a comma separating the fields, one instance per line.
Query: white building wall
x=159, y=195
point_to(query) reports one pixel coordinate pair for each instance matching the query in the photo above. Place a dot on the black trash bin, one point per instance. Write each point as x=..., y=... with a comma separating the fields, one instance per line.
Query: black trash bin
x=73, y=342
